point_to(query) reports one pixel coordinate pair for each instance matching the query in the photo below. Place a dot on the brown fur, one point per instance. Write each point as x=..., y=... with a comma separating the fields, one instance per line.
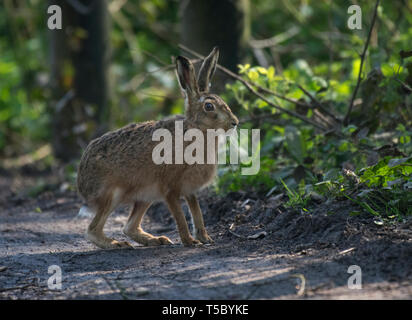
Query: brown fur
x=118, y=167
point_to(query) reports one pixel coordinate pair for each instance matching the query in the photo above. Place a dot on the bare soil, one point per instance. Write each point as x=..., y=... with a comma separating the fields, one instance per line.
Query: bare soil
x=262, y=250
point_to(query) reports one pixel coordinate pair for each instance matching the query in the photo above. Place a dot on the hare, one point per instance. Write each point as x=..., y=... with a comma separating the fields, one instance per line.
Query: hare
x=117, y=168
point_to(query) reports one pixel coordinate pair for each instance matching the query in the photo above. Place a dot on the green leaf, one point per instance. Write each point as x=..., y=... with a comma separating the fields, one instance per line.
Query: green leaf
x=295, y=143
x=390, y=69
x=270, y=73
x=261, y=70
x=243, y=68
x=356, y=68
x=253, y=75
x=261, y=104
x=401, y=127
x=404, y=139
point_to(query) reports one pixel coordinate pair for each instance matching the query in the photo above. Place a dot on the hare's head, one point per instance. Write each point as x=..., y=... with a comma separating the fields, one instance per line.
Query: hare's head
x=205, y=110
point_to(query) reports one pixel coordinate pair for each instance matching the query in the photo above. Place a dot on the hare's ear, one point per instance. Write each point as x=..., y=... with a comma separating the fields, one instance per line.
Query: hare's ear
x=186, y=76
x=207, y=70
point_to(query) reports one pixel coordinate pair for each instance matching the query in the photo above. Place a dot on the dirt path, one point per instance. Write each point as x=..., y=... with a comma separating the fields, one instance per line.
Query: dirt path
x=319, y=247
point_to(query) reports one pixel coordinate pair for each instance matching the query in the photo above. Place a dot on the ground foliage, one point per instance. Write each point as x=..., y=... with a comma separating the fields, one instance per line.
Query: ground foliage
x=367, y=160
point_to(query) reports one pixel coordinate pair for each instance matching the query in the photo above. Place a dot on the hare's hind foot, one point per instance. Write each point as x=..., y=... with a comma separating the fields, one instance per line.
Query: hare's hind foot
x=190, y=241
x=134, y=231
x=104, y=242
x=202, y=236
x=145, y=238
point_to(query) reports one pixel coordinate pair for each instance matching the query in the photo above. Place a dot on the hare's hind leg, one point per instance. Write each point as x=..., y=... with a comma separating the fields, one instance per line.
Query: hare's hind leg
x=200, y=232
x=95, y=230
x=135, y=232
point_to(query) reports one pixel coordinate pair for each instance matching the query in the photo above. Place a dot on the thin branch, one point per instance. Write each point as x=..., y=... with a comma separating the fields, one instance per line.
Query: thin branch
x=317, y=103
x=277, y=95
x=32, y=284
x=154, y=57
x=405, y=54
x=249, y=86
x=235, y=233
x=138, y=79
x=299, y=103
x=294, y=101
x=271, y=42
x=404, y=85
x=363, y=55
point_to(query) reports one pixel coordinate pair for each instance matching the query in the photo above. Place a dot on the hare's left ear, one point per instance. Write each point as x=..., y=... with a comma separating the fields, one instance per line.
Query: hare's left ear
x=207, y=70
x=186, y=76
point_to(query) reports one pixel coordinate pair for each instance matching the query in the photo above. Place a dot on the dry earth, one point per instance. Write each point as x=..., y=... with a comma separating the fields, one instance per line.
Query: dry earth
x=319, y=246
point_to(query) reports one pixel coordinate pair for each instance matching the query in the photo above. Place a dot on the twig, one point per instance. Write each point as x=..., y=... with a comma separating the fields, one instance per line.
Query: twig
x=235, y=233
x=258, y=87
x=265, y=90
x=16, y=288
x=317, y=103
x=363, y=55
x=405, y=54
x=265, y=43
x=249, y=86
x=277, y=95
x=137, y=80
x=154, y=57
x=32, y=284
x=404, y=85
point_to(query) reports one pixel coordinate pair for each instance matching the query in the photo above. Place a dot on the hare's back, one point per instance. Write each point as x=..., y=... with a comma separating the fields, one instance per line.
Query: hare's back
x=114, y=153
x=120, y=145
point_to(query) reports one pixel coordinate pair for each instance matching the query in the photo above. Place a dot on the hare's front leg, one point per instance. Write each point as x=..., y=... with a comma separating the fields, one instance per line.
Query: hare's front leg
x=173, y=202
x=200, y=230
x=135, y=232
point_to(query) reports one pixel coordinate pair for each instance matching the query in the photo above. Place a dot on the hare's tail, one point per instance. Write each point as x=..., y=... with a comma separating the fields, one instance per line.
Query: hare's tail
x=85, y=212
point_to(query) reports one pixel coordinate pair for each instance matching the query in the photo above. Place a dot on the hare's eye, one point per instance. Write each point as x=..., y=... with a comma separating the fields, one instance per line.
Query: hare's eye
x=209, y=106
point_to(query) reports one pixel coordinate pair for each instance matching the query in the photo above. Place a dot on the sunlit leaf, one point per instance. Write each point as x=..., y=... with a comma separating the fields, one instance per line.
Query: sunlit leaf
x=253, y=75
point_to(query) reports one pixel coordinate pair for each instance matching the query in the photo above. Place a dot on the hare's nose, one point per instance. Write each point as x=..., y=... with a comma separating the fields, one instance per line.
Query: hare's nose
x=234, y=124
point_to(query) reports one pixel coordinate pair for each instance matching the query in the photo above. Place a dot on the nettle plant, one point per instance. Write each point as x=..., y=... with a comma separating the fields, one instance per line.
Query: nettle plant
x=302, y=161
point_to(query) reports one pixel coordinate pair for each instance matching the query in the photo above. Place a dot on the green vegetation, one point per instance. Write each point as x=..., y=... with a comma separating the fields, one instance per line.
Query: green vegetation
x=299, y=159
x=367, y=161
x=307, y=78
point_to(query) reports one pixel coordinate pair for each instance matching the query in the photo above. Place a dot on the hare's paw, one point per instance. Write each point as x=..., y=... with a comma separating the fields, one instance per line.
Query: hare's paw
x=147, y=239
x=158, y=241
x=164, y=240
x=202, y=236
x=114, y=244
x=190, y=241
x=104, y=242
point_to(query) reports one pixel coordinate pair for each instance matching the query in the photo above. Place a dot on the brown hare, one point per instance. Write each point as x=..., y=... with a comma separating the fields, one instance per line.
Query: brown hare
x=118, y=168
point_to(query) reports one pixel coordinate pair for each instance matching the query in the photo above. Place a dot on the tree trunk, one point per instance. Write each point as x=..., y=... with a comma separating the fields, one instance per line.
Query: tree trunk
x=79, y=65
x=222, y=23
